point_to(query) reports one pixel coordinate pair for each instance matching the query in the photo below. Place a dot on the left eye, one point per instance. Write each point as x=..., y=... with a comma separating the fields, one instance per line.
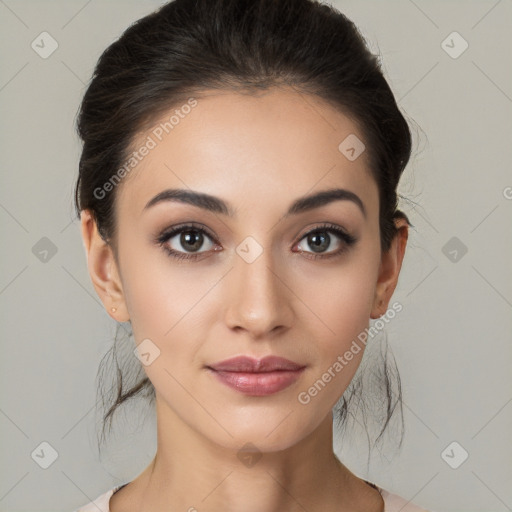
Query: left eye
x=321, y=241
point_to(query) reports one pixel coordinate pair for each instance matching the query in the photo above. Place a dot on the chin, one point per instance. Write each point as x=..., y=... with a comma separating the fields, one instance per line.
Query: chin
x=265, y=434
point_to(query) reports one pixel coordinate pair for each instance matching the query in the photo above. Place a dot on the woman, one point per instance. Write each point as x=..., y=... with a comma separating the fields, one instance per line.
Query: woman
x=237, y=193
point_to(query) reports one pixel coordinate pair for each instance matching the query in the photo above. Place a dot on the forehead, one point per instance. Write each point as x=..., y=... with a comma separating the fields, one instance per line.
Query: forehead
x=249, y=149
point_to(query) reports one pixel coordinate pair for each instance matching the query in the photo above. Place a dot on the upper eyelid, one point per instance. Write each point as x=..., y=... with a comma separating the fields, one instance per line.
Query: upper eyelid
x=176, y=230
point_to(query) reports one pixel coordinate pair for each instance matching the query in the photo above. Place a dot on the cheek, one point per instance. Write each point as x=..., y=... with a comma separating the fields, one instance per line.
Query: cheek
x=339, y=298
x=339, y=304
x=161, y=295
x=165, y=306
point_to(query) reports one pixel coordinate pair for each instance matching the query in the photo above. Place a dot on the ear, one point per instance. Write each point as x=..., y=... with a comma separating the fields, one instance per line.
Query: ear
x=103, y=269
x=391, y=263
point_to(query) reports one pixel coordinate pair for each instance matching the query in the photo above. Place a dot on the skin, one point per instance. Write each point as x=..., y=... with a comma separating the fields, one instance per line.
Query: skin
x=259, y=153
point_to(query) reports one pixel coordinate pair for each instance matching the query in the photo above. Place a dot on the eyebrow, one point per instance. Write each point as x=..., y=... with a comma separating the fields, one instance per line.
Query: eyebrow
x=217, y=205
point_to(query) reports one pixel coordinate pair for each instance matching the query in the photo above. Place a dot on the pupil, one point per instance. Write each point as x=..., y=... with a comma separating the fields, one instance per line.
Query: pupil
x=187, y=238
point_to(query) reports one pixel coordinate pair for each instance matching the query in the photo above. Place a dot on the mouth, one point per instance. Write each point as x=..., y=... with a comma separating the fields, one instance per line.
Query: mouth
x=257, y=377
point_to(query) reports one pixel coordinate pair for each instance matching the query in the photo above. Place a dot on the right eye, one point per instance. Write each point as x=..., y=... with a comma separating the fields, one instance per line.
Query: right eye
x=190, y=237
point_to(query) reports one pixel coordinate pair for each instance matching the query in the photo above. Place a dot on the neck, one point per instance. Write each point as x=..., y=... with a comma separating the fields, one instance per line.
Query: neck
x=190, y=472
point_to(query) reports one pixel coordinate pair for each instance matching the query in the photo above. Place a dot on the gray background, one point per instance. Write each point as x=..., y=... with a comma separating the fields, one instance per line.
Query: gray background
x=452, y=341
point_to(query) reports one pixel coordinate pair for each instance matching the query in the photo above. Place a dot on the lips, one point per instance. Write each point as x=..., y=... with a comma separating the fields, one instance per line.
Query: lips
x=257, y=377
x=245, y=364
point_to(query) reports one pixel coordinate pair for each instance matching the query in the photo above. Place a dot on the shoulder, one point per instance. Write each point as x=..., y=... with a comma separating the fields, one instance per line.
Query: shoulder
x=101, y=503
x=395, y=503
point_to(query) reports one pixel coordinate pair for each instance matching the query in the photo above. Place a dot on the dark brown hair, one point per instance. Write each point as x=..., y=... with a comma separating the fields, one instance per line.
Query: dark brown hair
x=189, y=46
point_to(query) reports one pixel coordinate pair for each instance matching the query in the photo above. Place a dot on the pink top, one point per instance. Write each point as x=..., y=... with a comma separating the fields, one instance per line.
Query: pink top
x=392, y=502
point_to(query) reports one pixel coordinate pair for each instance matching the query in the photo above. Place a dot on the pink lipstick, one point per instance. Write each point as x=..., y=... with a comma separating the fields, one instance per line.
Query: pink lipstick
x=257, y=377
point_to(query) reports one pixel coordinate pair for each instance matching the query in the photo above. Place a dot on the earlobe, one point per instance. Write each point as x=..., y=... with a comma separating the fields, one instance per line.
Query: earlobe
x=389, y=271
x=103, y=268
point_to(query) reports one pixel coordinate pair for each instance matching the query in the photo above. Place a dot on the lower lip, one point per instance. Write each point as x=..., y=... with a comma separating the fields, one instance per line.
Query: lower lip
x=258, y=384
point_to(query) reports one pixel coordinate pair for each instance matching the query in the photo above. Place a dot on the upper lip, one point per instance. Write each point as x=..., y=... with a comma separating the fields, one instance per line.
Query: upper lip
x=252, y=365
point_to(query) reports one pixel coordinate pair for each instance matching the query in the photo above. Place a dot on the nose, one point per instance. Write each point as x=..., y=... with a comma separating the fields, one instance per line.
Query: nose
x=258, y=297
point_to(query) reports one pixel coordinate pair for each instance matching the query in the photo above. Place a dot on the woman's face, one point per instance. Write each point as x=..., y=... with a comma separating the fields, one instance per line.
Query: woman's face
x=252, y=283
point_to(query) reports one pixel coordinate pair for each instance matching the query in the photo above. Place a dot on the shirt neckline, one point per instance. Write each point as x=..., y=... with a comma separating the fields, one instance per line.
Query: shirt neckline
x=119, y=487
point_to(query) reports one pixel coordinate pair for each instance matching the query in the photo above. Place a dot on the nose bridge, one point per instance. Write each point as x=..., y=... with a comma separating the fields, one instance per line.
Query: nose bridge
x=257, y=302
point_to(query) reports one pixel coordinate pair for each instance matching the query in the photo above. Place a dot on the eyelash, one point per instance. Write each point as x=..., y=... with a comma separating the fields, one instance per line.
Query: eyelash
x=164, y=237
